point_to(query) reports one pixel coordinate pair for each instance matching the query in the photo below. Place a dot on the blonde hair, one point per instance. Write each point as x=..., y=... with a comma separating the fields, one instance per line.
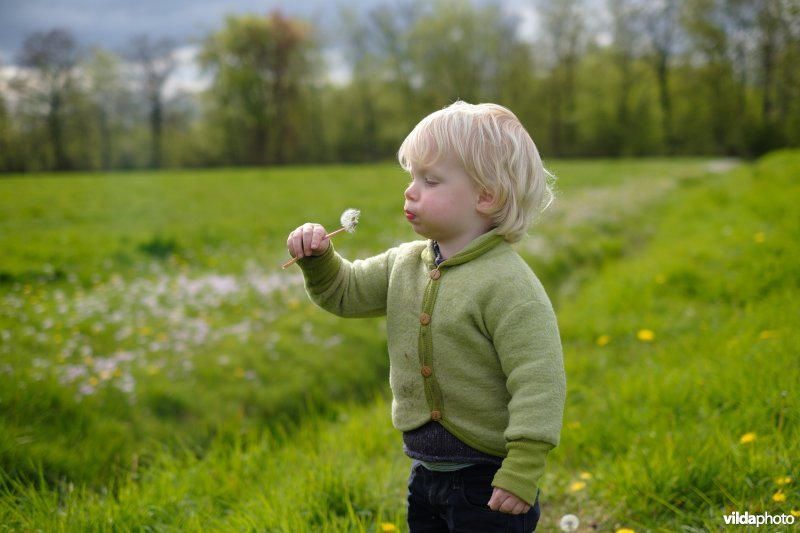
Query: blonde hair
x=495, y=151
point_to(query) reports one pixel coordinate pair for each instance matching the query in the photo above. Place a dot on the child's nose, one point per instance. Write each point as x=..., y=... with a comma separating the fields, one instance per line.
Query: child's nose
x=411, y=192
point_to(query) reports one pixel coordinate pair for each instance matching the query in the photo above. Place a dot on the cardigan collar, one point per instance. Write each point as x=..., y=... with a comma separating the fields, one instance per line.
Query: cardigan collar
x=474, y=249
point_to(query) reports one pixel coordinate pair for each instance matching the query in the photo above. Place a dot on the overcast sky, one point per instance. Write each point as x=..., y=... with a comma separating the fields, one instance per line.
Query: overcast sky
x=111, y=23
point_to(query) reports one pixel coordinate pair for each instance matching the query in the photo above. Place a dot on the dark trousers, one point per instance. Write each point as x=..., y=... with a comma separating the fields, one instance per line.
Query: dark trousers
x=456, y=502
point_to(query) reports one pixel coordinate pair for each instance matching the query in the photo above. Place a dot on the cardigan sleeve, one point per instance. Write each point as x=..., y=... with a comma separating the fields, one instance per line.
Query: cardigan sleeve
x=357, y=289
x=529, y=348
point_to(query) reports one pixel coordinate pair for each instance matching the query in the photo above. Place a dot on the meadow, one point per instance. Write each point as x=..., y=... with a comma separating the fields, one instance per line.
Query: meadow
x=159, y=371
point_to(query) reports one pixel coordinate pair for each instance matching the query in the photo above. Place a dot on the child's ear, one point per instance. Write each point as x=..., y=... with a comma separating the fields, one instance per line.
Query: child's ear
x=485, y=201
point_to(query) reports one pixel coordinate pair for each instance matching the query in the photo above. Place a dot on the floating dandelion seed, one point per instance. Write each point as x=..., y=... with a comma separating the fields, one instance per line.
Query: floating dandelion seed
x=569, y=522
x=348, y=220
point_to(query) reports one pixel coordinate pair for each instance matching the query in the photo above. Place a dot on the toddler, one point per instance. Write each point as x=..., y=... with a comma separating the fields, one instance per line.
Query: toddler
x=476, y=367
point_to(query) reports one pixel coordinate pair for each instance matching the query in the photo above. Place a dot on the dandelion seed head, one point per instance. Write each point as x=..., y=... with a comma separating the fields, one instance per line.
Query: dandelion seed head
x=349, y=219
x=569, y=522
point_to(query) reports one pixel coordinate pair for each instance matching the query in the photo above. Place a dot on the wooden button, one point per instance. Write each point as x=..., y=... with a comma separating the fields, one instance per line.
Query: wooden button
x=436, y=415
x=436, y=274
x=427, y=371
x=424, y=319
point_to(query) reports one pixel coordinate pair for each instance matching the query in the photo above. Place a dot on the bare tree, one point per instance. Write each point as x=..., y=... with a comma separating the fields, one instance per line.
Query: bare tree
x=52, y=57
x=156, y=60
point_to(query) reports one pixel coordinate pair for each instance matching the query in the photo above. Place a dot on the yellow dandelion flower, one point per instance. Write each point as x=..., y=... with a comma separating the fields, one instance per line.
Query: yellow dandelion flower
x=88, y=361
x=152, y=370
x=625, y=530
x=645, y=335
x=586, y=476
x=602, y=340
x=779, y=496
x=294, y=303
x=238, y=372
x=388, y=526
x=747, y=438
x=145, y=331
x=794, y=513
x=759, y=237
x=577, y=486
x=768, y=334
x=783, y=480
x=93, y=381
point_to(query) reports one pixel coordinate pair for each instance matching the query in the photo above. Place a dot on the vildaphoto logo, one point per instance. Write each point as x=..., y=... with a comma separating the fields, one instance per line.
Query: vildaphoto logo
x=741, y=519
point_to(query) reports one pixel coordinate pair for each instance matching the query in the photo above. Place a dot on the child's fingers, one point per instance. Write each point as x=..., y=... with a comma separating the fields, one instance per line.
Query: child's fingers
x=318, y=241
x=506, y=502
x=290, y=245
x=295, y=243
x=308, y=239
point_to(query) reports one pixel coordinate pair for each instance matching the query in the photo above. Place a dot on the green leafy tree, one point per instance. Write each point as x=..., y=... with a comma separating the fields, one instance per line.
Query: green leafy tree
x=262, y=67
x=458, y=51
x=156, y=62
x=111, y=104
x=564, y=37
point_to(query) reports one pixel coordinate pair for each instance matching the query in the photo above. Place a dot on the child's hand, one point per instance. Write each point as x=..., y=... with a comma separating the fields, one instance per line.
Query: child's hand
x=308, y=239
x=506, y=502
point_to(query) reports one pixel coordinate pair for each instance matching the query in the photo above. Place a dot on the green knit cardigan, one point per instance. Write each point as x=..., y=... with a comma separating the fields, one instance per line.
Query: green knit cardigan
x=473, y=344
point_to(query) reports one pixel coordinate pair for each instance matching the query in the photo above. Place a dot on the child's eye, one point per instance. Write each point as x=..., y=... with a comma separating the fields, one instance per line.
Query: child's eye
x=429, y=180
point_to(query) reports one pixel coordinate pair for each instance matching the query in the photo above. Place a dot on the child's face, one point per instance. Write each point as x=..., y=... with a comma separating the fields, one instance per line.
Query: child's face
x=442, y=203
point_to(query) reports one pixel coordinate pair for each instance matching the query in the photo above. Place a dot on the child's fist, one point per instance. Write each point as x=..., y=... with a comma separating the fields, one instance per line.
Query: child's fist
x=308, y=239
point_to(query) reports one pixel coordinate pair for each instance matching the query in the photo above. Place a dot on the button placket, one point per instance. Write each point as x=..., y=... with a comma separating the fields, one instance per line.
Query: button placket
x=432, y=391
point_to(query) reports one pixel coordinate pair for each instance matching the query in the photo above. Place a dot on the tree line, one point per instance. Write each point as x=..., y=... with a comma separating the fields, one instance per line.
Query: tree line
x=706, y=77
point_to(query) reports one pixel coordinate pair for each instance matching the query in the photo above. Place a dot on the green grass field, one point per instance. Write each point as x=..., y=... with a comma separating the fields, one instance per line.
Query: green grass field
x=159, y=371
